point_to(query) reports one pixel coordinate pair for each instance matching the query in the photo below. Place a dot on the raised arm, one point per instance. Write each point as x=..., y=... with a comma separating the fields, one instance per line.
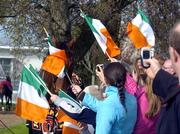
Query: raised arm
x=90, y=101
x=86, y=98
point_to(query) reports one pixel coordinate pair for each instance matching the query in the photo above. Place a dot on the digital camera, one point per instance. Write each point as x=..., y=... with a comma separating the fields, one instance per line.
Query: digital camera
x=146, y=53
x=98, y=66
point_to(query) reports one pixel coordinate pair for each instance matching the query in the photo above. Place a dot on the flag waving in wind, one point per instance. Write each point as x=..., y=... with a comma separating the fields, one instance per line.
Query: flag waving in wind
x=140, y=32
x=102, y=36
x=31, y=102
x=74, y=109
x=55, y=62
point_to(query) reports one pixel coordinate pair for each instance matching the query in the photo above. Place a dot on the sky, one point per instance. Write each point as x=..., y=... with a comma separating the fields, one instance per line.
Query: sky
x=4, y=40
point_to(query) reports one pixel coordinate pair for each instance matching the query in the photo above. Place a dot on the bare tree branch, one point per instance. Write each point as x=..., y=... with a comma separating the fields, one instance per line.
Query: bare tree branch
x=86, y=66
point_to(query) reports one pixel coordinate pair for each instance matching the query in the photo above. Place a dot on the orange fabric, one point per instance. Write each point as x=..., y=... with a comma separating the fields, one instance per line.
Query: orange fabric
x=60, y=54
x=112, y=48
x=30, y=111
x=63, y=117
x=53, y=64
x=136, y=36
x=68, y=130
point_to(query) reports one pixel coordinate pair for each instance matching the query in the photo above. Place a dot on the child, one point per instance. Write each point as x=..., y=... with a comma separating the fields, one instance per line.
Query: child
x=116, y=113
x=148, y=103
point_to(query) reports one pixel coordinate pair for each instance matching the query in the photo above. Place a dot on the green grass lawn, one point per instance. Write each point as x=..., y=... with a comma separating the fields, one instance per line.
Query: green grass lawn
x=19, y=129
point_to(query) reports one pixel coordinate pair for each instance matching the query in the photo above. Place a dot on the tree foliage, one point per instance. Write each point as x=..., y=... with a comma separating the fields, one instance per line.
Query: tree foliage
x=24, y=20
x=163, y=15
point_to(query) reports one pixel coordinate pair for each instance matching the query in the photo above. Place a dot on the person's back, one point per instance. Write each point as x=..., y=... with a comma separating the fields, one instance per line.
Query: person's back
x=169, y=119
x=131, y=105
x=148, y=103
x=123, y=119
x=143, y=123
x=112, y=116
x=167, y=86
x=7, y=90
x=110, y=110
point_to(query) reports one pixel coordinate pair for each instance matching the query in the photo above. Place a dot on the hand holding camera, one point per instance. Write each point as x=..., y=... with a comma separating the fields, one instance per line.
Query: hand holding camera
x=154, y=68
x=99, y=72
x=99, y=67
x=146, y=53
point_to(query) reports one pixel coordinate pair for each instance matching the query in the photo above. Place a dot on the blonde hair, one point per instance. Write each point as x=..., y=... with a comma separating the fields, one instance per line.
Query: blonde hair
x=154, y=101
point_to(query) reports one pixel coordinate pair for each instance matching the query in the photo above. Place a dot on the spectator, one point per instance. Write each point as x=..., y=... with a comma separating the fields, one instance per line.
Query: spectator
x=167, y=66
x=83, y=115
x=116, y=114
x=167, y=86
x=82, y=126
x=148, y=104
x=7, y=90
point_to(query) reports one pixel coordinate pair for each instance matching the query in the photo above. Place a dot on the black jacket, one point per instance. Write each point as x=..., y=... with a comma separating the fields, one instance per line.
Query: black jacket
x=167, y=87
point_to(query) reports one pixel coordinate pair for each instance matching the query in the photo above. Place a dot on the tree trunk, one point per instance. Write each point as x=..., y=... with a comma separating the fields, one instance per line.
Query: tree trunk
x=61, y=26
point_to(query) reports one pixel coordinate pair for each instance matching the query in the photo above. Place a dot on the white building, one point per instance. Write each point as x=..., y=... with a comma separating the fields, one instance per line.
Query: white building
x=12, y=65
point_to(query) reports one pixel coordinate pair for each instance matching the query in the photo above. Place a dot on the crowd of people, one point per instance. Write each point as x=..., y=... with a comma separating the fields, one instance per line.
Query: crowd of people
x=137, y=101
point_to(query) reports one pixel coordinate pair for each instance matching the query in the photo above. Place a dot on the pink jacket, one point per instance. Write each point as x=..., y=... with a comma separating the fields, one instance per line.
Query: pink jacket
x=143, y=125
x=5, y=82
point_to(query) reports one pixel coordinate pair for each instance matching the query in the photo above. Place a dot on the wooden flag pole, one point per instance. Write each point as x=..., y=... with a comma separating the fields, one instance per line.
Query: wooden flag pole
x=108, y=55
x=48, y=91
x=69, y=78
x=80, y=10
x=46, y=31
x=39, y=81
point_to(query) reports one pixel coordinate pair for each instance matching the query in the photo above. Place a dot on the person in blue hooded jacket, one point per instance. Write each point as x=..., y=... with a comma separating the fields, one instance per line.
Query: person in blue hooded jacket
x=116, y=113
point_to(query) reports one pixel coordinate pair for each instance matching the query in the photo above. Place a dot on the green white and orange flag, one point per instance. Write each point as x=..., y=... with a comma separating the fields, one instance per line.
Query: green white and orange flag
x=102, y=36
x=55, y=62
x=140, y=32
x=31, y=102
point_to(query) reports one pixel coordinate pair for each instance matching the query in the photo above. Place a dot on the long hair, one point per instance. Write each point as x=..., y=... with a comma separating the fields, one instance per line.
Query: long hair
x=50, y=81
x=115, y=75
x=54, y=83
x=144, y=80
x=154, y=101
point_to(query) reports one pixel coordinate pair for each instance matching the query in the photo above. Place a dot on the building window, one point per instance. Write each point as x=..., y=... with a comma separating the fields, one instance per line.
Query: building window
x=6, y=65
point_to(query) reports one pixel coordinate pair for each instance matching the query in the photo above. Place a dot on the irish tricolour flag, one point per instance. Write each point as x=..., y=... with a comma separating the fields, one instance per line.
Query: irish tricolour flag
x=31, y=102
x=140, y=32
x=102, y=36
x=55, y=62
